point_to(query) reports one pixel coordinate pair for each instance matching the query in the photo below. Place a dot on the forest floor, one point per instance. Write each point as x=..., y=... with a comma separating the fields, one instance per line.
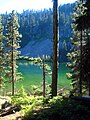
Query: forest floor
x=56, y=108
x=14, y=116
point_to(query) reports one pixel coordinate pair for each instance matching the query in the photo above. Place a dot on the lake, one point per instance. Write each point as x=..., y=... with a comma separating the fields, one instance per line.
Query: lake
x=32, y=75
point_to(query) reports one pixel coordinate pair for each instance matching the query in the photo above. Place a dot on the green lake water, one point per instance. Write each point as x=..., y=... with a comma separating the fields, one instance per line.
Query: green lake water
x=32, y=75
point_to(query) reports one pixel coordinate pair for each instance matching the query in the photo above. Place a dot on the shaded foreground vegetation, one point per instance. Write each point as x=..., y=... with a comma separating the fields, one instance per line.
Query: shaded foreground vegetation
x=47, y=108
x=39, y=108
x=59, y=109
x=56, y=108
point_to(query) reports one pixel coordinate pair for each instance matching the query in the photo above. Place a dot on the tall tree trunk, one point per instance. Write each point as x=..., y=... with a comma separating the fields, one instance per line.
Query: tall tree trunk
x=43, y=77
x=89, y=84
x=80, y=80
x=13, y=39
x=55, y=48
x=12, y=69
x=88, y=65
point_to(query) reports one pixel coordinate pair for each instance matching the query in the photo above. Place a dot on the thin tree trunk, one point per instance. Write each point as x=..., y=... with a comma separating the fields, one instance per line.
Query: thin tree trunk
x=12, y=70
x=89, y=84
x=80, y=80
x=88, y=43
x=43, y=77
x=55, y=48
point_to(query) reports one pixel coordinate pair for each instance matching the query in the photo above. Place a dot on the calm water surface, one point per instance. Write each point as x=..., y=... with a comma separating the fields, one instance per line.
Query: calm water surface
x=32, y=75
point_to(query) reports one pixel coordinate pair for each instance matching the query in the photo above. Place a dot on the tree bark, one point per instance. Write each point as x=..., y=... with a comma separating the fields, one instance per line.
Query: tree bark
x=88, y=65
x=55, y=48
x=12, y=57
x=80, y=80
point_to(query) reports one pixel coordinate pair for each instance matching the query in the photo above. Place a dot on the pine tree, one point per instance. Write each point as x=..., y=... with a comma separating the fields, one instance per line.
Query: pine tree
x=75, y=56
x=83, y=22
x=13, y=39
x=86, y=65
x=2, y=54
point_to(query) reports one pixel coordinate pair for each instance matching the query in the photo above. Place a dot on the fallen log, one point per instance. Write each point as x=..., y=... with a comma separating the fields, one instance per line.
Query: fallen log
x=81, y=98
x=5, y=105
x=10, y=110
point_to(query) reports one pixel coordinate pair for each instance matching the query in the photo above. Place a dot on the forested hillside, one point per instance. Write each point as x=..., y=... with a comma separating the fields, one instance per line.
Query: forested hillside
x=36, y=28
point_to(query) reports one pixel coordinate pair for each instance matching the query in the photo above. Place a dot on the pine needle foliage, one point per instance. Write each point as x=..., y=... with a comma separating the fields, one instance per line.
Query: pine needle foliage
x=13, y=40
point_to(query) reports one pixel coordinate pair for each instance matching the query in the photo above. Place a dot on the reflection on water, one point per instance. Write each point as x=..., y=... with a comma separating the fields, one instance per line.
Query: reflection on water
x=33, y=74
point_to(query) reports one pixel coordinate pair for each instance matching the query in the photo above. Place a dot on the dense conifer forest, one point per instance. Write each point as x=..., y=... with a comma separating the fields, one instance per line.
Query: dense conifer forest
x=67, y=25
x=37, y=25
x=36, y=28
x=18, y=29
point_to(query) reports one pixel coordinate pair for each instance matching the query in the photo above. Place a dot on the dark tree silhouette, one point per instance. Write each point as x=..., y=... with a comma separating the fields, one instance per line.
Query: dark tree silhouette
x=55, y=48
